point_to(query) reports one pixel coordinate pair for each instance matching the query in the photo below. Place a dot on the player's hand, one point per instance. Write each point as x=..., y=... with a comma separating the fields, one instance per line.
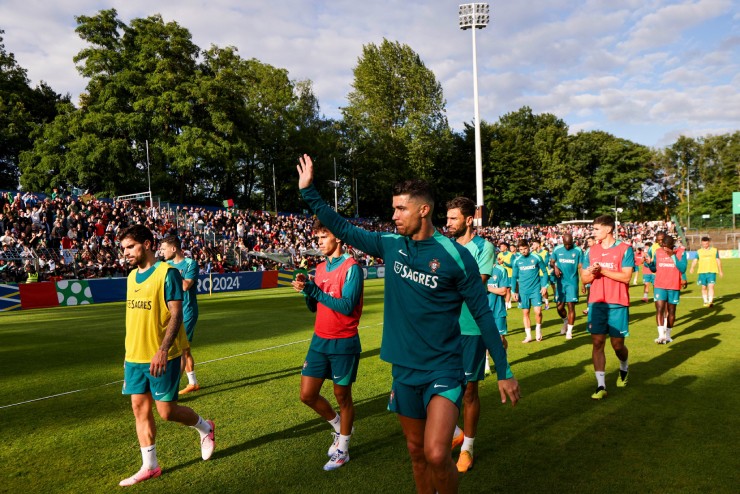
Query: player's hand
x=158, y=366
x=298, y=285
x=543, y=291
x=515, y=296
x=305, y=171
x=510, y=388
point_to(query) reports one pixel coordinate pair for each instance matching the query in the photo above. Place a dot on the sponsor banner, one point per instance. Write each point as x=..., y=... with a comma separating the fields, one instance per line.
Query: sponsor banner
x=107, y=289
x=37, y=295
x=373, y=272
x=269, y=279
x=729, y=254
x=232, y=282
x=10, y=297
x=74, y=292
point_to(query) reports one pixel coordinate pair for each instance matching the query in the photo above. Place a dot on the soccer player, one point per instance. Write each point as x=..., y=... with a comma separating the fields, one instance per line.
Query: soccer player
x=668, y=266
x=504, y=258
x=155, y=337
x=566, y=263
x=537, y=248
x=460, y=213
x=171, y=250
x=639, y=258
x=429, y=277
x=586, y=290
x=498, y=285
x=608, y=268
x=648, y=277
x=335, y=295
x=529, y=286
x=709, y=267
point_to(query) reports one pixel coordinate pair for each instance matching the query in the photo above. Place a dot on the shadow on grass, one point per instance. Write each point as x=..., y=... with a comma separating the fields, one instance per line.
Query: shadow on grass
x=363, y=408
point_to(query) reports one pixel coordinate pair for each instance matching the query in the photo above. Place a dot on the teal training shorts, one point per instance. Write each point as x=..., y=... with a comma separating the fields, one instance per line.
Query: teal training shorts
x=474, y=358
x=138, y=381
x=707, y=279
x=670, y=296
x=340, y=368
x=527, y=300
x=190, y=328
x=613, y=321
x=500, y=323
x=412, y=401
x=566, y=293
x=648, y=278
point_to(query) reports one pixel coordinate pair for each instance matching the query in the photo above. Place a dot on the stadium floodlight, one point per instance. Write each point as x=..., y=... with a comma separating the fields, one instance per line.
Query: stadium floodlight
x=475, y=16
x=616, y=221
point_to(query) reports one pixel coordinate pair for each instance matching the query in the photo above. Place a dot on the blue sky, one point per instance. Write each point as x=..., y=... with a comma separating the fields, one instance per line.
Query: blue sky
x=644, y=70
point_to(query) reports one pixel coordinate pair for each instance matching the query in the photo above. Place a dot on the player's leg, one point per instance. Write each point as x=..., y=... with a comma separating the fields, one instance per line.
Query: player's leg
x=710, y=293
x=622, y=353
x=571, y=320
x=441, y=417
x=599, y=329
x=538, y=322
x=671, y=306
x=525, y=319
x=188, y=363
x=146, y=432
x=660, y=315
x=344, y=372
x=413, y=430
x=311, y=397
x=471, y=416
x=164, y=391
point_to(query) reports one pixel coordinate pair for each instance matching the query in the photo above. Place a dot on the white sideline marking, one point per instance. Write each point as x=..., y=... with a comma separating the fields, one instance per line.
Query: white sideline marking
x=199, y=363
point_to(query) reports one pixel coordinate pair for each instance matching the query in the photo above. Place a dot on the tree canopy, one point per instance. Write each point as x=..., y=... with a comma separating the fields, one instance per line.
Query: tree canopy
x=219, y=126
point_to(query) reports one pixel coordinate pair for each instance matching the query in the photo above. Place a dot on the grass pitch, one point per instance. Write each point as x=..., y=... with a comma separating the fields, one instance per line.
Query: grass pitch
x=67, y=428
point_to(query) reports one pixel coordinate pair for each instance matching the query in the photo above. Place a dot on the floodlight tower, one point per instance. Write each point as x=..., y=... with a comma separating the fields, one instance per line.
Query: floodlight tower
x=475, y=16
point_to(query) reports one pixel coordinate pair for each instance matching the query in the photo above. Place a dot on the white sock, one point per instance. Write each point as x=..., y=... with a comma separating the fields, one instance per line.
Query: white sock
x=661, y=332
x=467, y=444
x=624, y=365
x=335, y=422
x=601, y=379
x=528, y=332
x=565, y=320
x=488, y=365
x=344, y=442
x=203, y=427
x=570, y=329
x=665, y=322
x=668, y=333
x=538, y=331
x=458, y=431
x=149, y=457
x=706, y=298
x=191, y=378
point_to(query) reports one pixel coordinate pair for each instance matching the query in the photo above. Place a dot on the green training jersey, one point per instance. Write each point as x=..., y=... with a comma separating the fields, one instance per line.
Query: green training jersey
x=189, y=271
x=426, y=282
x=499, y=279
x=568, y=261
x=529, y=273
x=482, y=251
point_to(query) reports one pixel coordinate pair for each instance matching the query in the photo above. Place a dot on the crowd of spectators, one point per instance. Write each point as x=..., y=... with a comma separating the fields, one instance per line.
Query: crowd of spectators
x=63, y=236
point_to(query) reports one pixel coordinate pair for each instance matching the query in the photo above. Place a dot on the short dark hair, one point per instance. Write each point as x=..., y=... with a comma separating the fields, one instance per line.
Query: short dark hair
x=139, y=233
x=605, y=220
x=465, y=205
x=415, y=189
x=503, y=243
x=706, y=239
x=669, y=241
x=523, y=243
x=318, y=226
x=173, y=240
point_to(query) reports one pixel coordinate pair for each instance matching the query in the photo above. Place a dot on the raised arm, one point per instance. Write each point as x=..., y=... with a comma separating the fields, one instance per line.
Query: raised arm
x=367, y=242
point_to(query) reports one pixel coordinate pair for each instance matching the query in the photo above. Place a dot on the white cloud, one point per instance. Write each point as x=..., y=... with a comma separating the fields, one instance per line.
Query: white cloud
x=638, y=68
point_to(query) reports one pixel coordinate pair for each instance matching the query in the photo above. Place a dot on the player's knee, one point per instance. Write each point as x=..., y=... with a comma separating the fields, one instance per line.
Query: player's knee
x=436, y=456
x=309, y=398
x=416, y=451
x=343, y=397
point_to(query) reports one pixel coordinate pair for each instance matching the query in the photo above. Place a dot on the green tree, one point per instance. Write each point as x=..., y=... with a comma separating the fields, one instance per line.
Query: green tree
x=22, y=111
x=395, y=121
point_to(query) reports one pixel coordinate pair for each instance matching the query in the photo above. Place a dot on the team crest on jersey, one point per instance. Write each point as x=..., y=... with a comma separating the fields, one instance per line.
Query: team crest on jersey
x=305, y=364
x=434, y=265
x=495, y=277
